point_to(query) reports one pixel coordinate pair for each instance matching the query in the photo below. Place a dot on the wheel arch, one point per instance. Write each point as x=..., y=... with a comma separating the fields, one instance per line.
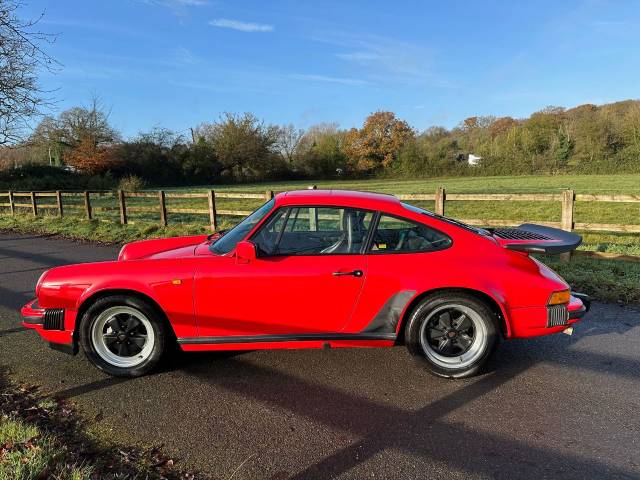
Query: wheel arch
x=489, y=300
x=94, y=297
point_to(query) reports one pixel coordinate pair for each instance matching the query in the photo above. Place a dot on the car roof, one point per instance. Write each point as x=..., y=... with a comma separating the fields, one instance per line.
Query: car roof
x=349, y=198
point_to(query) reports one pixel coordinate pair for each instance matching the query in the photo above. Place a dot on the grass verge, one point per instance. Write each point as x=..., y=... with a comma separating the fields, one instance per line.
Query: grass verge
x=604, y=280
x=43, y=438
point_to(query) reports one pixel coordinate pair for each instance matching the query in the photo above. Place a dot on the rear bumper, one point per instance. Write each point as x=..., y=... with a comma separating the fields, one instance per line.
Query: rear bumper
x=53, y=325
x=535, y=321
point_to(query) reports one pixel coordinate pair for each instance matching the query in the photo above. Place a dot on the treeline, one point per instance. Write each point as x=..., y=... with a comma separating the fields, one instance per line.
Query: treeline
x=83, y=148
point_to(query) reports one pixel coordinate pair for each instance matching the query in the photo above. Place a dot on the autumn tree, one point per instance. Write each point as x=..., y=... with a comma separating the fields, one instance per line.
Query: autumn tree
x=85, y=135
x=378, y=143
x=89, y=157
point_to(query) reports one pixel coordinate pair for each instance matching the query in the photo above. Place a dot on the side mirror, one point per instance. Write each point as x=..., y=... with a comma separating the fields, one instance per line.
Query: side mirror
x=245, y=252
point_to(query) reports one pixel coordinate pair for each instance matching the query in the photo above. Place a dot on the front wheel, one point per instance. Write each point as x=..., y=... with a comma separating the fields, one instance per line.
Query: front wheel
x=122, y=336
x=452, y=334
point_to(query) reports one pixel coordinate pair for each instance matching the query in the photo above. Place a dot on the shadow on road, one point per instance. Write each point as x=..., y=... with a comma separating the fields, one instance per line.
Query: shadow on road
x=422, y=433
x=9, y=331
x=89, y=387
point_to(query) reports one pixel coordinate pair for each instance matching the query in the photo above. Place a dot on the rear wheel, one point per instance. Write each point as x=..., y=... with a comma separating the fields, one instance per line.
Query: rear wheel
x=452, y=334
x=123, y=336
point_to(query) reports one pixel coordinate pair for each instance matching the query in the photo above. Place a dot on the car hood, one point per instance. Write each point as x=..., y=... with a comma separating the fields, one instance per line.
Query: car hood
x=175, y=247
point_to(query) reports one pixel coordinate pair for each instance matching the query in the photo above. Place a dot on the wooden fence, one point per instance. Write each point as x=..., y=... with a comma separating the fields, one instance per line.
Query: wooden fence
x=121, y=196
x=567, y=198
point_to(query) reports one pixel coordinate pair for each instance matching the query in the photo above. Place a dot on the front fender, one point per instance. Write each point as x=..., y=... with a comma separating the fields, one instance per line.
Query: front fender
x=168, y=283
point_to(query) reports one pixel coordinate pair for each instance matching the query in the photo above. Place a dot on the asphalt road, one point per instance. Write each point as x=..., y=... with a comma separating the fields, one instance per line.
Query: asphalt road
x=555, y=407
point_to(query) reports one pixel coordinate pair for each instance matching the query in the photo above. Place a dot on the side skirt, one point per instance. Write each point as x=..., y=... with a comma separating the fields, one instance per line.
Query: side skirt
x=300, y=337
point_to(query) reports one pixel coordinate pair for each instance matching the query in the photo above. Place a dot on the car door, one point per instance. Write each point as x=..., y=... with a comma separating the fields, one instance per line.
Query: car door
x=404, y=258
x=306, y=278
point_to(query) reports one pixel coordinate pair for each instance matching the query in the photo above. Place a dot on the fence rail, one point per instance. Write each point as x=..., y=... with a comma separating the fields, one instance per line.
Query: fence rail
x=567, y=198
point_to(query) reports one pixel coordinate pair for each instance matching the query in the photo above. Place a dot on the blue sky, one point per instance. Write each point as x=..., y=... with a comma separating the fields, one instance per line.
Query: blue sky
x=177, y=63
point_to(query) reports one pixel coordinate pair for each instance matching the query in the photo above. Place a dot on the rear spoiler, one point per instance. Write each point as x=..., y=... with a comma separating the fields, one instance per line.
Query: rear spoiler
x=532, y=238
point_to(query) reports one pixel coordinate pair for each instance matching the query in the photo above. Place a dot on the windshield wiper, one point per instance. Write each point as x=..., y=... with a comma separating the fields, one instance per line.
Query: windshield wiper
x=219, y=233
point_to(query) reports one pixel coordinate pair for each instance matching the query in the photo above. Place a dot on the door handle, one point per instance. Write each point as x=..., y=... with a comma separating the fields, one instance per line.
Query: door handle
x=354, y=273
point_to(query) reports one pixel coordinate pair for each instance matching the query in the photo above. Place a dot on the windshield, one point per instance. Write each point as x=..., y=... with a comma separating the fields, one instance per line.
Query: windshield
x=480, y=231
x=228, y=242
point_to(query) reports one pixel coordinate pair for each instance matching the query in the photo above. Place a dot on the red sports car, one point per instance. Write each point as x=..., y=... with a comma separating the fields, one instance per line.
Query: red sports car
x=314, y=269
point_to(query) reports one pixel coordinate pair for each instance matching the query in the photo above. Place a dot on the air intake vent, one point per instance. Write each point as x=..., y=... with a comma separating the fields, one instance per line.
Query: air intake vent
x=517, y=234
x=53, y=319
x=557, y=315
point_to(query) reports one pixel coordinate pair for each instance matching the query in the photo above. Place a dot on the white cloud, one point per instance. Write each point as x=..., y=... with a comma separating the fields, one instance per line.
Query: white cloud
x=360, y=57
x=326, y=79
x=177, y=3
x=387, y=60
x=191, y=3
x=184, y=56
x=241, y=26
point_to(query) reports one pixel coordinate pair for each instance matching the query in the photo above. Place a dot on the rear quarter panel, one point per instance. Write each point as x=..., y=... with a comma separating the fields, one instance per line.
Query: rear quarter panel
x=475, y=262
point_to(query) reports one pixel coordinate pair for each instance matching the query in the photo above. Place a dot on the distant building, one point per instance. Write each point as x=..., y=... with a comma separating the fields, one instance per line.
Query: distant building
x=473, y=160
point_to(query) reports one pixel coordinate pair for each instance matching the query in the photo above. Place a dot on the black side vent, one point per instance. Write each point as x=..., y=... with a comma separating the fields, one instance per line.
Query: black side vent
x=557, y=315
x=517, y=234
x=53, y=319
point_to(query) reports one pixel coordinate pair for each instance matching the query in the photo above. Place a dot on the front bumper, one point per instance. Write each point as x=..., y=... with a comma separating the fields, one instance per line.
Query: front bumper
x=54, y=325
x=545, y=320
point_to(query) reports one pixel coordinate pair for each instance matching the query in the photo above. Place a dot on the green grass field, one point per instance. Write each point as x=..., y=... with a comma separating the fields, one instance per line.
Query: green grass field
x=609, y=280
x=585, y=212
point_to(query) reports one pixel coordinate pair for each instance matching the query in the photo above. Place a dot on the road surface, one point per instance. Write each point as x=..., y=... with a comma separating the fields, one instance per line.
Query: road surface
x=555, y=407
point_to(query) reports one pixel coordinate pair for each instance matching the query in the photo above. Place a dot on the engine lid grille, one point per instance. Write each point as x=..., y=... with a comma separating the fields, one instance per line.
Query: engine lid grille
x=517, y=234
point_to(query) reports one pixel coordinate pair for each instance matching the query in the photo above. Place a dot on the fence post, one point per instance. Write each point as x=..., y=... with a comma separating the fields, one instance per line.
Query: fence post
x=163, y=209
x=268, y=195
x=568, y=197
x=87, y=205
x=59, y=200
x=34, y=205
x=123, y=207
x=12, y=205
x=213, y=215
x=441, y=196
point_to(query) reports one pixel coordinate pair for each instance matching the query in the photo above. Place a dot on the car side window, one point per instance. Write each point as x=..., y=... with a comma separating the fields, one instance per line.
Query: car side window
x=314, y=231
x=397, y=235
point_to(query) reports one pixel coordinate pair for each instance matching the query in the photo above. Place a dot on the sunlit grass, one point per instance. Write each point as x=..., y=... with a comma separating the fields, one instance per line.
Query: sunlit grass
x=28, y=453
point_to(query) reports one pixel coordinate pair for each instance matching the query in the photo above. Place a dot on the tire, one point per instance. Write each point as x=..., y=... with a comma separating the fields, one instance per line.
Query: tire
x=123, y=336
x=452, y=334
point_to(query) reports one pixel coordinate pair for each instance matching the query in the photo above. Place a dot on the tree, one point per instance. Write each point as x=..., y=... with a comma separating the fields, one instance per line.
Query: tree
x=47, y=141
x=288, y=140
x=245, y=146
x=21, y=57
x=79, y=123
x=89, y=157
x=378, y=143
x=319, y=152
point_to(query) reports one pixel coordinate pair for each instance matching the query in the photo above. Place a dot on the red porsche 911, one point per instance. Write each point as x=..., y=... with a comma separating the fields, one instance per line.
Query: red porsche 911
x=314, y=269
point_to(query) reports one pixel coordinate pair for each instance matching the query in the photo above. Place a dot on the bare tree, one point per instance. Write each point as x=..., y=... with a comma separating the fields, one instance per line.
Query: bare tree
x=21, y=57
x=288, y=140
x=79, y=123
